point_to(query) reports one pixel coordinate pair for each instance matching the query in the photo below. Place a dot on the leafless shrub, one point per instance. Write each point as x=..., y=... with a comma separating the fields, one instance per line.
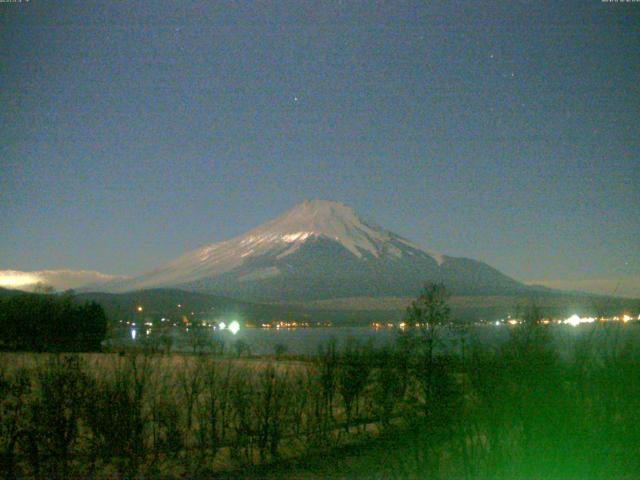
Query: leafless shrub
x=58, y=407
x=241, y=393
x=353, y=376
x=14, y=391
x=389, y=384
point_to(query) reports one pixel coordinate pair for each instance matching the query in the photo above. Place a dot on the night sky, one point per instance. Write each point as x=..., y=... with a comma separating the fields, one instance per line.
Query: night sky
x=508, y=132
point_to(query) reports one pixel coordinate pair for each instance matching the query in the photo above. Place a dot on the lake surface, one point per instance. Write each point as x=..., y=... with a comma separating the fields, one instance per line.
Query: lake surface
x=308, y=340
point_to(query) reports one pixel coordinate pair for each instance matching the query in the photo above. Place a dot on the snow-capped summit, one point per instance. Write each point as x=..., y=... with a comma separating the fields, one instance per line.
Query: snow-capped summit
x=324, y=218
x=315, y=218
x=318, y=249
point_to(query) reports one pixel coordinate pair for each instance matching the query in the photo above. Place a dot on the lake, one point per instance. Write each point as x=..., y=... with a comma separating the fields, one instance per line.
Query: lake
x=308, y=340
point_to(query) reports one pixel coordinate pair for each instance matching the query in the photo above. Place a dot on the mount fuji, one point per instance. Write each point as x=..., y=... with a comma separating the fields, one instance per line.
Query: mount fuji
x=319, y=250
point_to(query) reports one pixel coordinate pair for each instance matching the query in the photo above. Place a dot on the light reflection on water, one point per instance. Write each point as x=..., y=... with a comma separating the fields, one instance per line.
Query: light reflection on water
x=308, y=340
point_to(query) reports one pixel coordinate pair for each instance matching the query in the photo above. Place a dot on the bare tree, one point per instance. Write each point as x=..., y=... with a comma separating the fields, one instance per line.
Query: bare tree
x=352, y=377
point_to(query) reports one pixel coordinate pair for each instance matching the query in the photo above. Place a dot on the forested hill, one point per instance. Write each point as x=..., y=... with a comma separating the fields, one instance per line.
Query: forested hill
x=45, y=322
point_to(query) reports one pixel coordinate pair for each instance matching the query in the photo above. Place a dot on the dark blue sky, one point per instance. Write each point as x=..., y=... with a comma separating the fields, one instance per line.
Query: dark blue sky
x=507, y=131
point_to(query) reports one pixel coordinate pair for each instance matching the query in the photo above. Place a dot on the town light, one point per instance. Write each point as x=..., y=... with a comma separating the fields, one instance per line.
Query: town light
x=574, y=320
x=234, y=327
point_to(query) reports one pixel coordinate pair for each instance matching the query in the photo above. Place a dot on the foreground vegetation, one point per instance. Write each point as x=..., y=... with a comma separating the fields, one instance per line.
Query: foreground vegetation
x=407, y=411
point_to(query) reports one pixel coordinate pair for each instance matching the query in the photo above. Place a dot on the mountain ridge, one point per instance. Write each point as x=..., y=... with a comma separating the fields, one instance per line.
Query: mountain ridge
x=319, y=249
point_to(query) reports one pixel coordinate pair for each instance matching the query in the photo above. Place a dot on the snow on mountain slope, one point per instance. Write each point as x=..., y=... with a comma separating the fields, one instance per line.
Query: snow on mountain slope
x=279, y=237
x=319, y=250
